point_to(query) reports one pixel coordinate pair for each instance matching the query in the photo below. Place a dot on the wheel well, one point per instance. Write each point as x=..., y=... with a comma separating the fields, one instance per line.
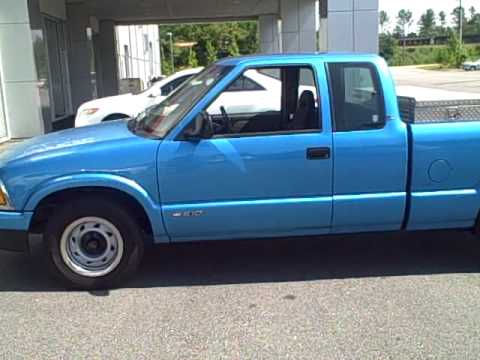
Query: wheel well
x=52, y=201
x=115, y=117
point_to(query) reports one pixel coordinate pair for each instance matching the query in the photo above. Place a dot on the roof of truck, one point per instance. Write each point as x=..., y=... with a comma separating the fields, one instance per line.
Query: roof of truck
x=296, y=57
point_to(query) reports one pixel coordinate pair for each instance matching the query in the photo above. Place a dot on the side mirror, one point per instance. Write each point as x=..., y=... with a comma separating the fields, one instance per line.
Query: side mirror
x=200, y=128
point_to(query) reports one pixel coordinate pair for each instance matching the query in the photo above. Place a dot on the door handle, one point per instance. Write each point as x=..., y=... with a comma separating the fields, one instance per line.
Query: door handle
x=320, y=153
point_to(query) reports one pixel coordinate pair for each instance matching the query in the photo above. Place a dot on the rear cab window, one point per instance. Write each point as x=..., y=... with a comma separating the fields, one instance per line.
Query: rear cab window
x=357, y=97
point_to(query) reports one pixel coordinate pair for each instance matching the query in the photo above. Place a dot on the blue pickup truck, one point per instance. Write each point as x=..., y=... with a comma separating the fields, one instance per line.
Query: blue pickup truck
x=325, y=151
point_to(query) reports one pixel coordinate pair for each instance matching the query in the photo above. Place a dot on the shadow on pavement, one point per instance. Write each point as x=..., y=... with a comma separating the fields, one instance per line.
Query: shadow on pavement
x=280, y=260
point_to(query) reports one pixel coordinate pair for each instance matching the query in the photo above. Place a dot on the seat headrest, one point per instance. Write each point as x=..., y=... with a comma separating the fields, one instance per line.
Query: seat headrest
x=306, y=99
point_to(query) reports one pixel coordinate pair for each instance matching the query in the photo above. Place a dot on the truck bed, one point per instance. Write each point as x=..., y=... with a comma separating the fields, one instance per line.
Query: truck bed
x=444, y=186
x=445, y=178
x=423, y=105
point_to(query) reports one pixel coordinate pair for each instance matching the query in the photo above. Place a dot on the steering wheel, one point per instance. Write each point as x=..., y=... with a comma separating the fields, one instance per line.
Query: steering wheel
x=226, y=120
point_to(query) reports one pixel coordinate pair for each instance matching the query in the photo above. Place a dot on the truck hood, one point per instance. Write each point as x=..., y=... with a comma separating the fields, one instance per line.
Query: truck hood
x=108, y=148
x=67, y=140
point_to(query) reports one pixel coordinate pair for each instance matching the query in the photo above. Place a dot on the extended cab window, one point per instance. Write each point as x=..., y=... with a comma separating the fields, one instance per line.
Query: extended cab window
x=267, y=100
x=356, y=97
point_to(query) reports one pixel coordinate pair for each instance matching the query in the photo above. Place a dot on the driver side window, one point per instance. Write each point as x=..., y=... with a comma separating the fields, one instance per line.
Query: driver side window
x=285, y=100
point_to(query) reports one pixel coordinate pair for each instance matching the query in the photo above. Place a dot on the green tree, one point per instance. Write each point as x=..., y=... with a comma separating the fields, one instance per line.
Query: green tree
x=457, y=14
x=232, y=47
x=473, y=25
x=211, y=52
x=388, y=47
x=398, y=31
x=212, y=41
x=427, y=23
x=442, y=28
x=404, y=21
x=456, y=52
x=192, y=58
x=443, y=18
x=473, y=12
x=384, y=20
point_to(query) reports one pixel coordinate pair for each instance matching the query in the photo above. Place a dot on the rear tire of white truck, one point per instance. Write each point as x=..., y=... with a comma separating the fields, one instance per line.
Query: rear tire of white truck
x=93, y=243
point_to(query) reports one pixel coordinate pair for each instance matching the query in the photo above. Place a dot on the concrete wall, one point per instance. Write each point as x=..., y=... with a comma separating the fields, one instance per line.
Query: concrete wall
x=349, y=25
x=20, y=83
x=178, y=10
x=299, y=25
x=353, y=25
x=270, y=33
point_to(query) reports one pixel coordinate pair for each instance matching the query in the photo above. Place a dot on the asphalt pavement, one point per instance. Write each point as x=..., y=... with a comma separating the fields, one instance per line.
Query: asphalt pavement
x=454, y=80
x=383, y=296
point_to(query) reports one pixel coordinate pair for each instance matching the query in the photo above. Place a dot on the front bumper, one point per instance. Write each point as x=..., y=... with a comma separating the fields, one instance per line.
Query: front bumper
x=14, y=231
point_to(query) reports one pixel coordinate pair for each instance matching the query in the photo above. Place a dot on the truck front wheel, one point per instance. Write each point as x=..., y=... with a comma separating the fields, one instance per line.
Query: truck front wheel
x=93, y=243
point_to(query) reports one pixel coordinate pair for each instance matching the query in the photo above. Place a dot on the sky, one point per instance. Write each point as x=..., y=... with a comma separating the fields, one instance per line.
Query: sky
x=418, y=7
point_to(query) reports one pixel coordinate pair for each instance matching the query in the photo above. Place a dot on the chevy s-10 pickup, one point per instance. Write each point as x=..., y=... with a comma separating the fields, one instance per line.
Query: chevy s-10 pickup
x=328, y=153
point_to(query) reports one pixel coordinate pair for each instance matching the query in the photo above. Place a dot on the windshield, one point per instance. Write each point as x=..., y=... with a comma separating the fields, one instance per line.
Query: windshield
x=159, y=119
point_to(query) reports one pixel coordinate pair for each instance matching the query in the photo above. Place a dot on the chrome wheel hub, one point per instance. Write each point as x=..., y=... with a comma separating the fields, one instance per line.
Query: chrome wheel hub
x=92, y=247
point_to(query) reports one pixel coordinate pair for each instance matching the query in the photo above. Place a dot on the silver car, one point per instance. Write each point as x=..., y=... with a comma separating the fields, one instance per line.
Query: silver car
x=471, y=65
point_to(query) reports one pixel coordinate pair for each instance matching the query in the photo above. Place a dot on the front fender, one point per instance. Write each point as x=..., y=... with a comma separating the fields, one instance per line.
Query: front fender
x=102, y=180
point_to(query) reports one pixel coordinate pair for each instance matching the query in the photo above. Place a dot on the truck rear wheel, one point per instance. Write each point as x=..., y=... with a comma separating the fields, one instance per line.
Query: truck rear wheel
x=93, y=243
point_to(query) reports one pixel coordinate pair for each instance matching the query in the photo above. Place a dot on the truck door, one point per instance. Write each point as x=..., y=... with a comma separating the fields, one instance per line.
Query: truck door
x=266, y=174
x=370, y=151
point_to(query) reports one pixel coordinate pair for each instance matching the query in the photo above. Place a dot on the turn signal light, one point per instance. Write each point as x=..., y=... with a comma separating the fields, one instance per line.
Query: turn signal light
x=89, y=111
x=3, y=199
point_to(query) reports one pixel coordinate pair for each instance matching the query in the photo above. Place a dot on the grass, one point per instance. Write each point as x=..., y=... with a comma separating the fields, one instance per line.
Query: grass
x=435, y=67
x=436, y=55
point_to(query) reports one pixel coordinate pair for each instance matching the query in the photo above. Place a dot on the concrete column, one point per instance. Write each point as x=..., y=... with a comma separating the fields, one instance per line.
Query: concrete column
x=108, y=59
x=270, y=39
x=80, y=54
x=352, y=25
x=299, y=25
x=323, y=26
x=366, y=18
x=21, y=96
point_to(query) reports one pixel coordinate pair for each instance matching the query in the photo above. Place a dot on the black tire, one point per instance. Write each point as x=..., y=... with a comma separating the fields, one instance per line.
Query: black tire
x=116, y=214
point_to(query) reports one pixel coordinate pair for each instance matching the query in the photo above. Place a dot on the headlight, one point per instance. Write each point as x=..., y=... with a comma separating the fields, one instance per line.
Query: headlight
x=4, y=199
x=89, y=112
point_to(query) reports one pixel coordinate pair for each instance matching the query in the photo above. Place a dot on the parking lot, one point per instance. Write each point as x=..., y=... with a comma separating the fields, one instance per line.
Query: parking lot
x=383, y=296
x=454, y=80
x=364, y=297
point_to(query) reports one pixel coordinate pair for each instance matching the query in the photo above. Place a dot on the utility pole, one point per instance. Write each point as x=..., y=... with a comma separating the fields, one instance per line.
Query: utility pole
x=171, y=51
x=461, y=24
